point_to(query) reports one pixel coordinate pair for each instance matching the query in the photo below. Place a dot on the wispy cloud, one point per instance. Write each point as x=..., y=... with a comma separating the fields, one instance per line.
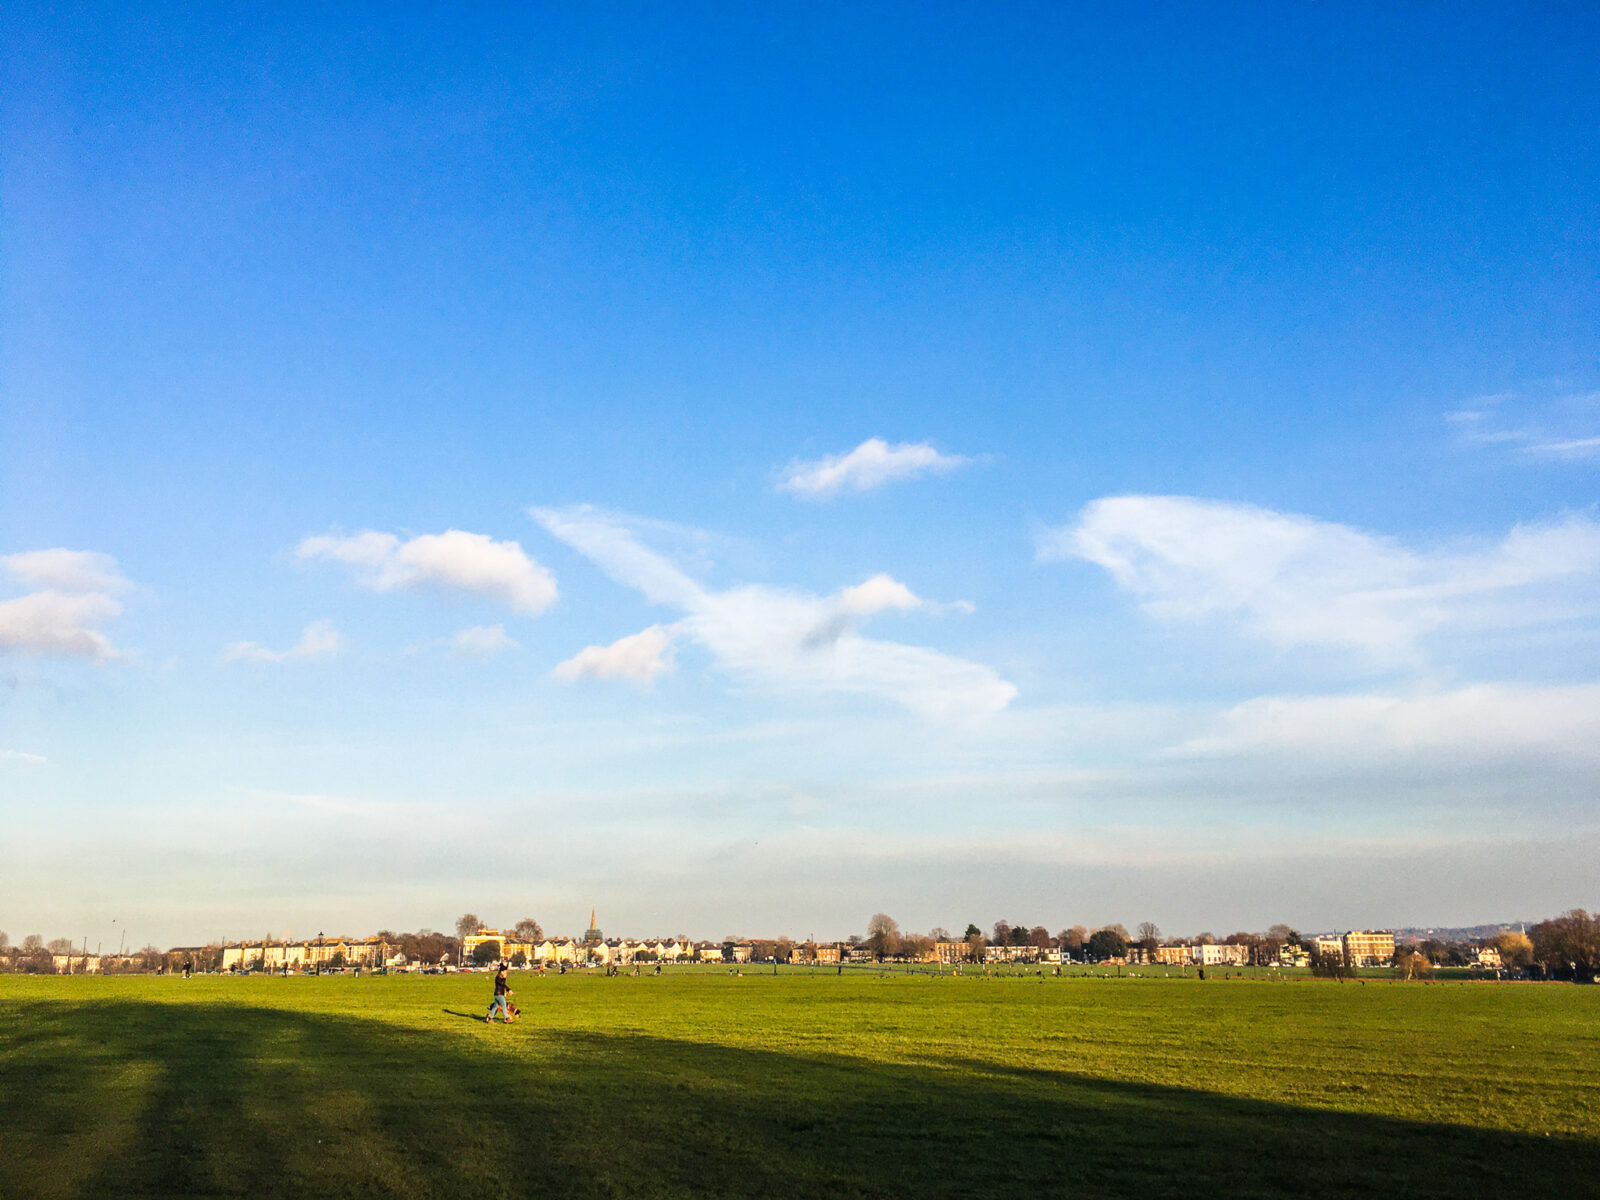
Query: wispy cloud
x=322, y=803
x=1461, y=725
x=481, y=641
x=869, y=466
x=318, y=640
x=1565, y=427
x=1294, y=580
x=453, y=560
x=787, y=640
x=23, y=756
x=639, y=656
x=77, y=595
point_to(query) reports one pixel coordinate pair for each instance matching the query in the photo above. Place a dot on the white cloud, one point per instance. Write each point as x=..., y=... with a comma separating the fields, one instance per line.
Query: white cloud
x=481, y=641
x=318, y=640
x=471, y=562
x=1471, y=724
x=77, y=596
x=1294, y=580
x=786, y=640
x=870, y=465
x=877, y=595
x=57, y=623
x=37, y=760
x=640, y=656
x=59, y=570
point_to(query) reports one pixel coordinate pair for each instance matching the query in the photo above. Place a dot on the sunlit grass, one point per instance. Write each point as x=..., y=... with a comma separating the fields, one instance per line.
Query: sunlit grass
x=884, y=1084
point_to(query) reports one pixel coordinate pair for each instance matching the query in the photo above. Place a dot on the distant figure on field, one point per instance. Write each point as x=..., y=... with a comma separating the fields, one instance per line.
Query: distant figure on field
x=502, y=990
x=188, y=967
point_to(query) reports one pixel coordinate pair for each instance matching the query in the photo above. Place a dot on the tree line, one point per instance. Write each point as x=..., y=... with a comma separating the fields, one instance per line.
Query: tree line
x=1562, y=947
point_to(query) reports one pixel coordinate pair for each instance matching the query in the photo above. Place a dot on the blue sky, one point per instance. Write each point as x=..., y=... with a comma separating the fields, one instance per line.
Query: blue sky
x=745, y=471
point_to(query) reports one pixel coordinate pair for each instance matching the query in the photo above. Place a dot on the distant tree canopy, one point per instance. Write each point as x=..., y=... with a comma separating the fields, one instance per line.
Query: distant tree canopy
x=972, y=931
x=1412, y=964
x=1107, y=943
x=485, y=953
x=1149, y=934
x=975, y=944
x=883, y=936
x=529, y=930
x=1515, y=949
x=1330, y=964
x=426, y=945
x=467, y=924
x=1570, y=942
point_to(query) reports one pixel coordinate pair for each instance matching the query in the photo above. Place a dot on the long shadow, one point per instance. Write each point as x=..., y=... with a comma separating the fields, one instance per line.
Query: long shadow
x=146, y=1100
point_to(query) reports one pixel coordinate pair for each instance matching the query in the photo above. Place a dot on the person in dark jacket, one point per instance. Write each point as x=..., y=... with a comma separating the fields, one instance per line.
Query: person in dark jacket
x=502, y=993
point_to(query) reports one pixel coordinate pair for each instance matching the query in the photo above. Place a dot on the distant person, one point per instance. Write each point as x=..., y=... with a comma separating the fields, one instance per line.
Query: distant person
x=188, y=967
x=502, y=992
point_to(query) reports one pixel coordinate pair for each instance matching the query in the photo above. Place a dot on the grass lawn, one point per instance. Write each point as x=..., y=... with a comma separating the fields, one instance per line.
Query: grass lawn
x=699, y=1083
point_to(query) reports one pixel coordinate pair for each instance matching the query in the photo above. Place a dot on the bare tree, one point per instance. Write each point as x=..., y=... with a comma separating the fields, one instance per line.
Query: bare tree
x=1570, y=942
x=1002, y=934
x=1039, y=936
x=938, y=933
x=1412, y=965
x=467, y=924
x=1149, y=936
x=529, y=930
x=883, y=936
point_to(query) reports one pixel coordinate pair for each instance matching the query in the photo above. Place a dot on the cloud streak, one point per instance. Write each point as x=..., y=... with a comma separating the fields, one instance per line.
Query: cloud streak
x=1297, y=581
x=451, y=561
x=318, y=640
x=1561, y=429
x=782, y=640
x=869, y=466
x=1471, y=724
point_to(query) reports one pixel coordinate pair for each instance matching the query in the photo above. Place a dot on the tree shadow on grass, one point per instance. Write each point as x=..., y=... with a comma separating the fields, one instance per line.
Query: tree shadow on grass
x=138, y=1099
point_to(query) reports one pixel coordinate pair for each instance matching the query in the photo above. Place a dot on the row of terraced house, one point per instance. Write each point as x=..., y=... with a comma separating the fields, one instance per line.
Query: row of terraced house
x=1359, y=947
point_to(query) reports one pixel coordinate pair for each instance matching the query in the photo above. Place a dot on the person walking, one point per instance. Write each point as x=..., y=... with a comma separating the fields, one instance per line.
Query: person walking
x=502, y=991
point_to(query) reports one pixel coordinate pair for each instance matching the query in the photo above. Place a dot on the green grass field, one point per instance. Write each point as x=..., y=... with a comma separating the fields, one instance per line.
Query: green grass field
x=699, y=1083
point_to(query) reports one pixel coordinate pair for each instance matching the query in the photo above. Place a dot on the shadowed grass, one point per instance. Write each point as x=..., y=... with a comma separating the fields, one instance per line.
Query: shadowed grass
x=720, y=1087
